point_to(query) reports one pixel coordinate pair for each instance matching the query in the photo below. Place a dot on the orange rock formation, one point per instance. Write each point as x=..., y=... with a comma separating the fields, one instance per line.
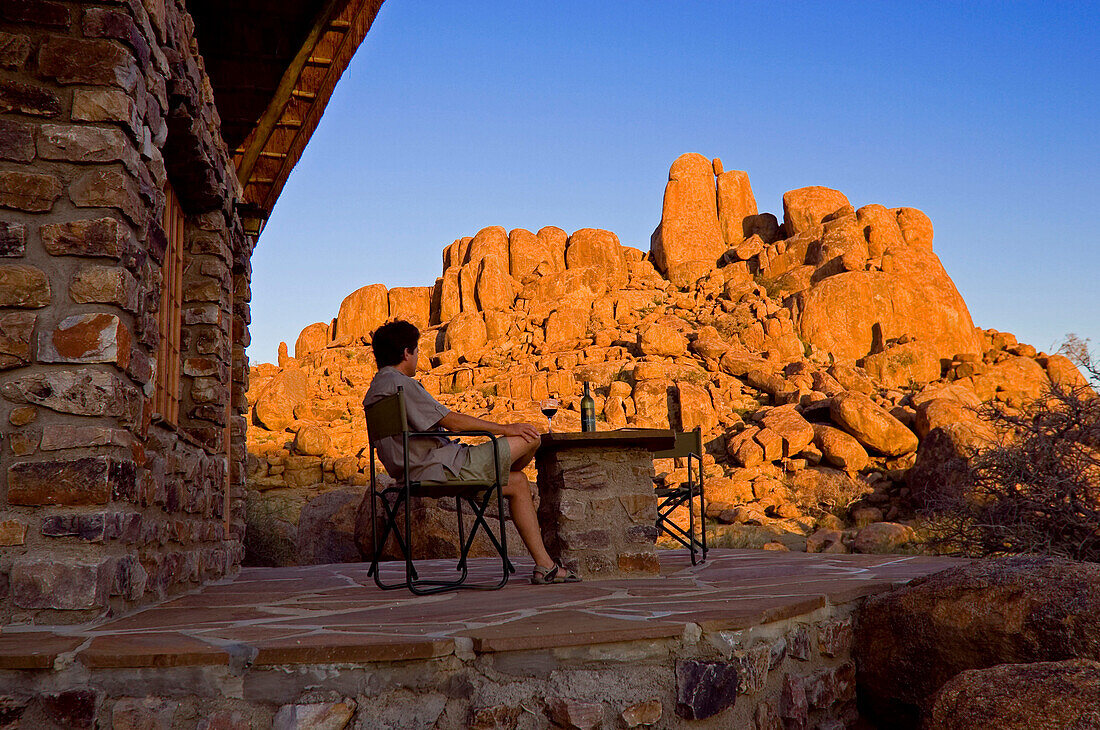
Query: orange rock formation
x=815, y=355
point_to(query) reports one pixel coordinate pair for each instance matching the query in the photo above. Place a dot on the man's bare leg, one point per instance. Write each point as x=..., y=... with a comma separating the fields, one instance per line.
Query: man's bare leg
x=518, y=493
x=522, y=451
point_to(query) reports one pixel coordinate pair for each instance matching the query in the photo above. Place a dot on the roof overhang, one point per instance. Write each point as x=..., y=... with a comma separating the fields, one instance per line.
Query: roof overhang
x=273, y=65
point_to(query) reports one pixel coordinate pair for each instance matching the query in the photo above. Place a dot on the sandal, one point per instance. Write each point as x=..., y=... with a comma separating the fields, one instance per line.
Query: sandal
x=545, y=576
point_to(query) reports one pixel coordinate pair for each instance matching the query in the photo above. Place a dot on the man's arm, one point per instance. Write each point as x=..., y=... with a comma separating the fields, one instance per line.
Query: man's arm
x=455, y=421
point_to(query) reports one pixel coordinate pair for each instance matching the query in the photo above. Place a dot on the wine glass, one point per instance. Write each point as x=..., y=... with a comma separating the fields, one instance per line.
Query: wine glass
x=549, y=408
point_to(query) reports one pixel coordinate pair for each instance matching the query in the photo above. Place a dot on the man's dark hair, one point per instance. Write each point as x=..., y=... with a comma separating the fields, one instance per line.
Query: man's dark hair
x=390, y=341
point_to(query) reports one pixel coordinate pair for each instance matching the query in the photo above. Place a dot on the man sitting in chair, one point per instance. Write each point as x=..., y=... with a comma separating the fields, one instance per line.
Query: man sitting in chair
x=396, y=350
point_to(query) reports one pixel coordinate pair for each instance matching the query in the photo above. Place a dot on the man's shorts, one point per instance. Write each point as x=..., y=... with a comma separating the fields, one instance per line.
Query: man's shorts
x=479, y=462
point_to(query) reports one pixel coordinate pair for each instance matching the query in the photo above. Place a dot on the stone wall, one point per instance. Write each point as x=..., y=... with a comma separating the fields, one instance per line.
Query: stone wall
x=793, y=674
x=101, y=106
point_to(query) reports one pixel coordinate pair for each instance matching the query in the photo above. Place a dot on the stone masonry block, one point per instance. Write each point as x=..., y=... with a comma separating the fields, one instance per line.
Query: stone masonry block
x=23, y=286
x=13, y=239
x=793, y=704
x=93, y=337
x=106, y=237
x=28, y=191
x=86, y=527
x=16, y=330
x=109, y=188
x=83, y=392
x=146, y=713
x=95, y=62
x=60, y=436
x=106, y=285
x=119, y=26
x=12, y=533
x=82, y=481
x=58, y=583
x=36, y=12
x=105, y=105
x=15, y=49
x=639, y=562
x=703, y=689
x=81, y=143
x=835, y=637
x=16, y=141
x=28, y=99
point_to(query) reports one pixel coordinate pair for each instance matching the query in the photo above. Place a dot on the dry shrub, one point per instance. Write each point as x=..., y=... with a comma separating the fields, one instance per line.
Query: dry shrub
x=1037, y=489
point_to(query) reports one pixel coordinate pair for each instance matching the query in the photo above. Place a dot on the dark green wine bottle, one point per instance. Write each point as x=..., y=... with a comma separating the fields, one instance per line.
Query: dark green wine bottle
x=588, y=411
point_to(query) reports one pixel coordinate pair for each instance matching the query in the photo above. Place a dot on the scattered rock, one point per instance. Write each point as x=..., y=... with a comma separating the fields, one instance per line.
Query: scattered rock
x=1062, y=694
x=883, y=537
x=911, y=641
x=871, y=425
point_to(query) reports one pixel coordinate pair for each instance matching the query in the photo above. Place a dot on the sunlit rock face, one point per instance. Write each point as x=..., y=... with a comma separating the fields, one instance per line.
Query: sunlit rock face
x=818, y=356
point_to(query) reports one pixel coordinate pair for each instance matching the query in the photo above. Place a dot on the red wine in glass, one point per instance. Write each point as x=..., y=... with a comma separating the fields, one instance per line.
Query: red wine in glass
x=549, y=408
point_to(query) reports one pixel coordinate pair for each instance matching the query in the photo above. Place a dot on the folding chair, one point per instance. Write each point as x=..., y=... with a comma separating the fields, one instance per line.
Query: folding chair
x=689, y=445
x=387, y=418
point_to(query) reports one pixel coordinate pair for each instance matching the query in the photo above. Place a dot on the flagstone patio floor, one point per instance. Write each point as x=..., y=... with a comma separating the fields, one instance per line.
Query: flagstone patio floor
x=334, y=613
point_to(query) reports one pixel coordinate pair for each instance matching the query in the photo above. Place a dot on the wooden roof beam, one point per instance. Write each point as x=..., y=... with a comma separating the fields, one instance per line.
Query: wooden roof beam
x=284, y=92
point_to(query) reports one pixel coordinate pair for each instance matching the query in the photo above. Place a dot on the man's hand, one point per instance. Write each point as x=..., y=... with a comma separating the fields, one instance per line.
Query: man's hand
x=525, y=431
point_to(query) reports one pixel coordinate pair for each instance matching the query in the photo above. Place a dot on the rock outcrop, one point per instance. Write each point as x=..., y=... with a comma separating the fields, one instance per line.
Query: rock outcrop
x=1020, y=697
x=823, y=358
x=912, y=641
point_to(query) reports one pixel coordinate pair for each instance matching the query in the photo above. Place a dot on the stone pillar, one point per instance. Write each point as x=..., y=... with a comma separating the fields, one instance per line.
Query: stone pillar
x=101, y=107
x=597, y=509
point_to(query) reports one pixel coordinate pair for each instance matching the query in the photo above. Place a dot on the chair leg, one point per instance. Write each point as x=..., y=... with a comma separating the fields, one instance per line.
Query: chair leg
x=391, y=527
x=691, y=521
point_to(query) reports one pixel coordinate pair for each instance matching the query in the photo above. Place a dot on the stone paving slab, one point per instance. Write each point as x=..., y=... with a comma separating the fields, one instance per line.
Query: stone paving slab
x=328, y=614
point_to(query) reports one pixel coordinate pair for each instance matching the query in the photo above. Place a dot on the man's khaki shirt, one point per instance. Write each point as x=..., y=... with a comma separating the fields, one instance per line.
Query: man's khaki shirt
x=429, y=456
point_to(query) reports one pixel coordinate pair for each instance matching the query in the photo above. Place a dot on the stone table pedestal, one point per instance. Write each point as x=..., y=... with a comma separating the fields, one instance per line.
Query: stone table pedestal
x=597, y=506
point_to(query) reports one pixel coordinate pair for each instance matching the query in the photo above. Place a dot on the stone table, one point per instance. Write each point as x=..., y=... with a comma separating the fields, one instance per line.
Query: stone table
x=597, y=505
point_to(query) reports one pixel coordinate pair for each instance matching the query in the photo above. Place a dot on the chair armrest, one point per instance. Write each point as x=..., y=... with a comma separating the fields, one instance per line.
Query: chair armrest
x=437, y=434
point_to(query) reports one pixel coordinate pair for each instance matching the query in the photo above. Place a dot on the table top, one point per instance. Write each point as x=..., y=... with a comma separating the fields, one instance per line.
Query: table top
x=652, y=439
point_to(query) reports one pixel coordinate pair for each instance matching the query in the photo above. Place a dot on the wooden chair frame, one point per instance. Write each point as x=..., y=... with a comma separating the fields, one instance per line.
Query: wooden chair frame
x=689, y=445
x=387, y=418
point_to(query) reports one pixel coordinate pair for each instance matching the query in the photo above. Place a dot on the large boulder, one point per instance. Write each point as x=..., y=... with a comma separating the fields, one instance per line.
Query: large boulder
x=839, y=448
x=598, y=248
x=274, y=409
x=871, y=424
x=883, y=538
x=552, y=241
x=660, y=339
x=805, y=208
x=911, y=641
x=689, y=230
x=916, y=227
x=904, y=366
x=312, y=338
x=881, y=228
x=495, y=287
x=411, y=303
x=1018, y=377
x=735, y=203
x=848, y=314
x=524, y=253
x=796, y=431
x=466, y=333
x=436, y=529
x=940, y=476
x=302, y=526
x=361, y=313
x=1064, y=374
x=1020, y=697
x=489, y=240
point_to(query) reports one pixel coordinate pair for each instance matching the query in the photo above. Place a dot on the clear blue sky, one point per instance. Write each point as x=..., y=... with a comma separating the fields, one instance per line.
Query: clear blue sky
x=458, y=115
